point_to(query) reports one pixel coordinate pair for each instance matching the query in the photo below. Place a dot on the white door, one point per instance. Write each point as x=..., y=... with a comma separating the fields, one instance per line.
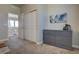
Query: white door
x=30, y=20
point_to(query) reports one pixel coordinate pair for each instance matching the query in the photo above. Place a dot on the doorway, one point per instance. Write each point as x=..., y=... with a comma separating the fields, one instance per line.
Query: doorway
x=13, y=25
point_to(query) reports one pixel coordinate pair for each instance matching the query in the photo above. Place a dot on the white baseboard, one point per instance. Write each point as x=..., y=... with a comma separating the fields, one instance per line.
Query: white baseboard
x=39, y=43
x=75, y=46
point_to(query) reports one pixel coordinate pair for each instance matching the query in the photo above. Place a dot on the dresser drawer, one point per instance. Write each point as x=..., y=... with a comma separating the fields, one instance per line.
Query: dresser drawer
x=62, y=40
x=64, y=46
x=65, y=34
x=49, y=40
x=46, y=32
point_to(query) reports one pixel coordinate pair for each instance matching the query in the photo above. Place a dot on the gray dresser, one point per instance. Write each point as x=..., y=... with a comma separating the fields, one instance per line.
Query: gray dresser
x=58, y=38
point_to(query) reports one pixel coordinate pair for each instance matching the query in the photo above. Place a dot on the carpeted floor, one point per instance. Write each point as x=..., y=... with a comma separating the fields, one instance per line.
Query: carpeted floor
x=32, y=48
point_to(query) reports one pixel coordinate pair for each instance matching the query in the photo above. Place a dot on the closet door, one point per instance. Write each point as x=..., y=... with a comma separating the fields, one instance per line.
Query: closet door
x=30, y=26
x=26, y=25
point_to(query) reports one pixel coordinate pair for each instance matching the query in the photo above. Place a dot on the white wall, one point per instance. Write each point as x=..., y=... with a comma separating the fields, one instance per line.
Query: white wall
x=4, y=10
x=72, y=19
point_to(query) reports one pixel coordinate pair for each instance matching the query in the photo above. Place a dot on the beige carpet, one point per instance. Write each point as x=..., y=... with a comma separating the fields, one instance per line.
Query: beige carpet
x=32, y=48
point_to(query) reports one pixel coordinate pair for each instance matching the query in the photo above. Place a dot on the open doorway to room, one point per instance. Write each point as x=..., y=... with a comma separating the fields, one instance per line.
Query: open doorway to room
x=13, y=25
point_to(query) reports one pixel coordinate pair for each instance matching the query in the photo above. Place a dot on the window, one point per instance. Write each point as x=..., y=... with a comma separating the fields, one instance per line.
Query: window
x=16, y=23
x=11, y=23
x=13, y=20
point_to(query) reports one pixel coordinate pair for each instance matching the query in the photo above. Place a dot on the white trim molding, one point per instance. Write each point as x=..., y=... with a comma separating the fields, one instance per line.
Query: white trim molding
x=39, y=43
